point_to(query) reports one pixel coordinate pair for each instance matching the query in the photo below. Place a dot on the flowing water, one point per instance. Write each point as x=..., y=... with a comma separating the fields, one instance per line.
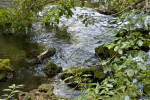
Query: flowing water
x=74, y=45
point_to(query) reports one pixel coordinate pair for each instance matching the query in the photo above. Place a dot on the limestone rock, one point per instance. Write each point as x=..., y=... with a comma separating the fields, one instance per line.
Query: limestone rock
x=44, y=92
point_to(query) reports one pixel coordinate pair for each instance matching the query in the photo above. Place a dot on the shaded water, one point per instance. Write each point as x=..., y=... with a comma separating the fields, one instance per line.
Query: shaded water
x=18, y=48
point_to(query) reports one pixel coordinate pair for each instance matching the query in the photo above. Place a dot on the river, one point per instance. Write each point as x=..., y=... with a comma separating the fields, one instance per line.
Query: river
x=74, y=44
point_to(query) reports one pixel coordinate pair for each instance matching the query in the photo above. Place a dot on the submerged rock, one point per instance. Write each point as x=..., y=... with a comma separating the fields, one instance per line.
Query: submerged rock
x=5, y=69
x=104, y=52
x=78, y=76
x=51, y=69
x=44, y=92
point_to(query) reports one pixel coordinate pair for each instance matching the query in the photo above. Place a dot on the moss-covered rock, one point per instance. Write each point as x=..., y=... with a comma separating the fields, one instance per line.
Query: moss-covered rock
x=5, y=69
x=147, y=89
x=44, y=92
x=52, y=69
x=78, y=76
x=45, y=87
x=2, y=75
x=34, y=95
x=104, y=52
x=106, y=11
x=5, y=65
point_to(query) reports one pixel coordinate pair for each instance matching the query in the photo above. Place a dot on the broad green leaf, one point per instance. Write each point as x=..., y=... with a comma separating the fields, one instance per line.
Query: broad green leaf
x=70, y=90
x=109, y=85
x=127, y=97
x=120, y=51
x=140, y=43
x=16, y=91
x=7, y=90
x=142, y=67
x=5, y=95
x=130, y=72
x=116, y=48
x=111, y=93
x=11, y=87
x=68, y=78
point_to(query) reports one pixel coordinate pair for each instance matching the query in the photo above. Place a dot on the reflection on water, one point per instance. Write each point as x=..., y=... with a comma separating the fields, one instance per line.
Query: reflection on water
x=19, y=48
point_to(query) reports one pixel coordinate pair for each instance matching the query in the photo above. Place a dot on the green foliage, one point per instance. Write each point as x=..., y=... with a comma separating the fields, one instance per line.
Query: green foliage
x=129, y=62
x=16, y=18
x=19, y=17
x=79, y=78
x=60, y=8
x=13, y=89
x=121, y=5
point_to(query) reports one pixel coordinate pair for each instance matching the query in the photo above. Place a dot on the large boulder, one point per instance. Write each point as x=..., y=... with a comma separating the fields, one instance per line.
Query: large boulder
x=76, y=77
x=51, y=69
x=5, y=69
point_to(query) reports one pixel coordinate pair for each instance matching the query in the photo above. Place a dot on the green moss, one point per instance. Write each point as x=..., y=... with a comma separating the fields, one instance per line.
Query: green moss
x=5, y=65
x=104, y=52
x=99, y=75
x=51, y=66
x=147, y=89
x=2, y=75
x=46, y=88
x=91, y=5
x=52, y=69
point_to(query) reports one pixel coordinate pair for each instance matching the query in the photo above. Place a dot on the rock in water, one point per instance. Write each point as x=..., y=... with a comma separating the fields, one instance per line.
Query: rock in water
x=52, y=69
x=40, y=58
x=5, y=69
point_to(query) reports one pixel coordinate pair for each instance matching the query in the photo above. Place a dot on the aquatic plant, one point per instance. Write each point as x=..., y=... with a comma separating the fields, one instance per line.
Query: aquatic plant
x=13, y=89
